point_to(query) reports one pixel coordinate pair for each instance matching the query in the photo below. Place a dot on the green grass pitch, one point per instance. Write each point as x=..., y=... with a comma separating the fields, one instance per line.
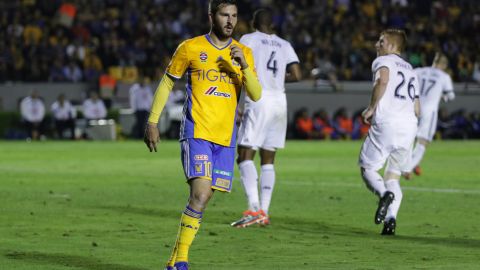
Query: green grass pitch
x=115, y=206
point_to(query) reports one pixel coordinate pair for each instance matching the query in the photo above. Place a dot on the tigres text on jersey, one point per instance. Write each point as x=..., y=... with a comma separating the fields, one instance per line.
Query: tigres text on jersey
x=214, y=82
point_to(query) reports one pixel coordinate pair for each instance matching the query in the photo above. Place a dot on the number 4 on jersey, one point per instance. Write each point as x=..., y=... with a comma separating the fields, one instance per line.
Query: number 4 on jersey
x=272, y=64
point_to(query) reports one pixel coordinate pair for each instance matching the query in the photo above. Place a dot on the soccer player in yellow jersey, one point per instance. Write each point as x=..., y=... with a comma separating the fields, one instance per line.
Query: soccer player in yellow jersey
x=216, y=68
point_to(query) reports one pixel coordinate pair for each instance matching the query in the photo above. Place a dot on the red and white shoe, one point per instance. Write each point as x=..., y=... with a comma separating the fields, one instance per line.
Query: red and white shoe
x=249, y=218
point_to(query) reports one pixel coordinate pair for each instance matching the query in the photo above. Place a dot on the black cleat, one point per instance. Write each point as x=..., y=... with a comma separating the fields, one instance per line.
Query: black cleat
x=389, y=227
x=383, y=204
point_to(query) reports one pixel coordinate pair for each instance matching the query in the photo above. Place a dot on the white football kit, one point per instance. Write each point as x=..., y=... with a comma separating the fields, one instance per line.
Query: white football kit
x=264, y=123
x=63, y=112
x=32, y=109
x=434, y=84
x=394, y=124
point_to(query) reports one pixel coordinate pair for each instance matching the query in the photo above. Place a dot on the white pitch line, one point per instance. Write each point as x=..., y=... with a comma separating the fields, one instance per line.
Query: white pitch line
x=349, y=185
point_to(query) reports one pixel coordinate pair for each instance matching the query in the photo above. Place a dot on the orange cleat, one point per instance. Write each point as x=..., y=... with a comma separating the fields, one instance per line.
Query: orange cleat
x=417, y=170
x=249, y=218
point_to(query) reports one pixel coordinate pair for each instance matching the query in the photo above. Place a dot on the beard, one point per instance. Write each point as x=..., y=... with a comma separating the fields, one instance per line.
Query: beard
x=220, y=31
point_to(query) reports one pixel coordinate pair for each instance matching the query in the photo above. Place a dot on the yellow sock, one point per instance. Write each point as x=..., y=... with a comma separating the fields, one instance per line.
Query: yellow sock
x=189, y=224
x=171, y=261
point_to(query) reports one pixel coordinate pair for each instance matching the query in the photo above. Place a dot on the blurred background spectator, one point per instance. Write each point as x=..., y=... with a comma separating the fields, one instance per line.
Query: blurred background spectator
x=303, y=125
x=141, y=98
x=64, y=115
x=94, y=108
x=32, y=111
x=342, y=124
x=322, y=124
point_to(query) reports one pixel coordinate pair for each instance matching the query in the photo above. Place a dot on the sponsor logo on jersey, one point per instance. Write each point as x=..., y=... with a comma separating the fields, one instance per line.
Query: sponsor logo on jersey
x=212, y=91
x=222, y=172
x=203, y=57
x=201, y=157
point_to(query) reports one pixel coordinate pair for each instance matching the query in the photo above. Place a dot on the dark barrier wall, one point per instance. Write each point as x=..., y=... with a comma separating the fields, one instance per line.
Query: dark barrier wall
x=355, y=95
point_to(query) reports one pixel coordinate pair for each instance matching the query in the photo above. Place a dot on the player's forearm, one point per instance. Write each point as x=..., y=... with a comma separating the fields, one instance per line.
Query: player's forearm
x=378, y=91
x=160, y=98
x=294, y=73
x=292, y=77
x=252, y=86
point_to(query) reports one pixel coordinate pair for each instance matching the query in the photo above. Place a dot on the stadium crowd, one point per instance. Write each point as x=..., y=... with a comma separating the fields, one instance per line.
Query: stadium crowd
x=78, y=40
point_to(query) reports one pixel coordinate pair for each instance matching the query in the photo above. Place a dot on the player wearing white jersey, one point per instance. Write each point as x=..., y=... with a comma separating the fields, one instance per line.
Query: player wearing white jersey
x=392, y=113
x=264, y=124
x=435, y=84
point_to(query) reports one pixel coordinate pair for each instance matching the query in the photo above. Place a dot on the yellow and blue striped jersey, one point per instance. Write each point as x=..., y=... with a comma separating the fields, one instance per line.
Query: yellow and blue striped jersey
x=214, y=82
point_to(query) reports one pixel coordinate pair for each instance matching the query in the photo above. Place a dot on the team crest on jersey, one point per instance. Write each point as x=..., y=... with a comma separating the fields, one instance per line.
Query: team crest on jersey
x=203, y=57
x=213, y=91
x=198, y=168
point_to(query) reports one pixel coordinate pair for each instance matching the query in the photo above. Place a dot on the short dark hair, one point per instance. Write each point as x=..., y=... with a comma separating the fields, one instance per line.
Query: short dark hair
x=263, y=17
x=398, y=35
x=214, y=5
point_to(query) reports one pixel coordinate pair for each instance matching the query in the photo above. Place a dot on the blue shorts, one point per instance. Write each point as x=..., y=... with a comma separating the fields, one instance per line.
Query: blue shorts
x=208, y=160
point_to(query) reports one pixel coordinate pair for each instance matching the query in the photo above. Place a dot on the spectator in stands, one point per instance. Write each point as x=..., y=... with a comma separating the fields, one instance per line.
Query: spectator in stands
x=18, y=62
x=360, y=129
x=461, y=125
x=342, y=124
x=476, y=69
x=64, y=115
x=94, y=108
x=475, y=125
x=92, y=66
x=56, y=72
x=141, y=98
x=325, y=72
x=127, y=32
x=322, y=125
x=32, y=111
x=303, y=125
x=174, y=108
x=72, y=72
x=445, y=124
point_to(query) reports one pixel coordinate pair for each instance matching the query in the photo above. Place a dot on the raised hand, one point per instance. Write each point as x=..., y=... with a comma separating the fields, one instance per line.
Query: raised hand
x=237, y=54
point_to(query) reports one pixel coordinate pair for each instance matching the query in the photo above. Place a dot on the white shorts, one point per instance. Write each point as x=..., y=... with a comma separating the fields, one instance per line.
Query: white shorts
x=388, y=142
x=264, y=123
x=427, y=126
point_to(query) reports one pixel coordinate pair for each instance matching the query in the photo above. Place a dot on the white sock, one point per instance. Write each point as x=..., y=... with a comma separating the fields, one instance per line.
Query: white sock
x=417, y=156
x=249, y=176
x=393, y=185
x=267, y=182
x=374, y=181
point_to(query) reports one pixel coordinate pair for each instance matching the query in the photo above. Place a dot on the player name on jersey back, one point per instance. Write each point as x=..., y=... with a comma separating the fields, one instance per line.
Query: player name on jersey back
x=272, y=56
